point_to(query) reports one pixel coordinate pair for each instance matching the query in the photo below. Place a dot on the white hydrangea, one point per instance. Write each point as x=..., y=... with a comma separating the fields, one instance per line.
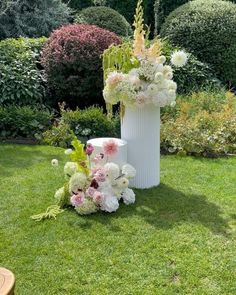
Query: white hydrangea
x=70, y=168
x=110, y=204
x=77, y=182
x=128, y=170
x=128, y=196
x=88, y=207
x=179, y=58
x=60, y=193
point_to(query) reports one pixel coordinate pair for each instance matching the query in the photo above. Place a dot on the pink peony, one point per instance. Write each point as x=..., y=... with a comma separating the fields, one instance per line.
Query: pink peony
x=110, y=147
x=90, y=191
x=98, y=197
x=77, y=199
x=89, y=149
x=100, y=175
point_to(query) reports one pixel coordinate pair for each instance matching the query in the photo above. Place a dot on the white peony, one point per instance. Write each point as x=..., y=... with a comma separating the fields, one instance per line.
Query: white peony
x=113, y=171
x=179, y=58
x=109, y=204
x=128, y=196
x=129, y=171
x=54, y=162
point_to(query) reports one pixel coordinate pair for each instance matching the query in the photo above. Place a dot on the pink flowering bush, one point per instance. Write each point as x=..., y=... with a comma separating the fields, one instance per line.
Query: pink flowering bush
x=73, y=65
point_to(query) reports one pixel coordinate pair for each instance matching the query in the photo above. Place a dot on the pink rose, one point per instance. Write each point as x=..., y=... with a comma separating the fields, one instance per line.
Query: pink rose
x=77, y=199
x=90, y=191
x=100, y=175
x=98, y=197
x=89, y=149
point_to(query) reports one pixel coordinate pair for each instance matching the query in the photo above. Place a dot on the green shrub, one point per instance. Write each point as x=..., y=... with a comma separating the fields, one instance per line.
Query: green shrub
x=21, y=80
x=203, y=124
x=59, y=135
x=106, y=18
x=26, y=122
x=29, y=18
x=207, y=29
x=194, y=76
x=90, y=123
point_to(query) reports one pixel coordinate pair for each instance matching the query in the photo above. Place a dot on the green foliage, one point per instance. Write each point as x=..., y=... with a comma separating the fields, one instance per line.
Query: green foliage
x=205, y=29
x=21, y=80
x=89, y=123
x=27, y=122
x=29, y=18
x=203, y=124
x=59, y=135
x=106, y=18
x=194, y=76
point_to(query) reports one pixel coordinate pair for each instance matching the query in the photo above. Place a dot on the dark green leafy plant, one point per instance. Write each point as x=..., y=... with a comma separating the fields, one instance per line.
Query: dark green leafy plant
x=207, y=29
x=26, y=122
x=106, y=18
x=21, y=79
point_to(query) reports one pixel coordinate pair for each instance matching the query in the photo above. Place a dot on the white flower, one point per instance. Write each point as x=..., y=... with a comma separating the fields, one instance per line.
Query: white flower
x=171, y=85
x=60, y=193
x=128, y=196
x=68, y=151
x=179, y=58
x=141, y=99
x=88, y=207
x=167, y=72
x=129, y=171
x=70, y=168
x=110, y=204
x=77, y=182
x=158, y=77
x=54, y=162
x=113, y=171
x=173, y=103
x=114, y=78
x=122, y=182
x=161, y=59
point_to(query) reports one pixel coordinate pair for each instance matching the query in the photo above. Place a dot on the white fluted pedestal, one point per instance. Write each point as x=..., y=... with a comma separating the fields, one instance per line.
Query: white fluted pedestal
x=140, y=127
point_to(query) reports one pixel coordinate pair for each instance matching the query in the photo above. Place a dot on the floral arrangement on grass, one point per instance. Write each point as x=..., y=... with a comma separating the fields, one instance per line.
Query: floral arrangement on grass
x=138, y=75
x=90, y=185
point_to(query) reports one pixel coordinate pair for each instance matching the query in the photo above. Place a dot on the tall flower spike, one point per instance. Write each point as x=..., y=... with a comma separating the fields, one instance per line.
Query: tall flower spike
x=139, y=33
x=155, y=50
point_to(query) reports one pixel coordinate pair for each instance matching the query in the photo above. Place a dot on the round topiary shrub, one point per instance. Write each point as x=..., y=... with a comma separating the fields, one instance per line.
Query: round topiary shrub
x=207, y=29
x=73, y=64
x=106, y=18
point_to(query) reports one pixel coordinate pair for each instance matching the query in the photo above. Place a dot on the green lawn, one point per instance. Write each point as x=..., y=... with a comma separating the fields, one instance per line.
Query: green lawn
x=179, y=238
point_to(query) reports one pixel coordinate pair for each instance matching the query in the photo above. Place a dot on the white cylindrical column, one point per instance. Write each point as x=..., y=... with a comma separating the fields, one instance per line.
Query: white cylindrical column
x=119, y=158
x=140, y=127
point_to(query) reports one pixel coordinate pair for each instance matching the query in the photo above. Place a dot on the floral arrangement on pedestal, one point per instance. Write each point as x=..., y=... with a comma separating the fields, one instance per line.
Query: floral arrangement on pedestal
x=89, y=185
x=138, y=75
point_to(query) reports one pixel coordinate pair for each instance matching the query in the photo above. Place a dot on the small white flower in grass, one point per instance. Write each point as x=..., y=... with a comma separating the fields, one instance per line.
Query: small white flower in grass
x=179, y=58
x=68, y=151
x=54, y=162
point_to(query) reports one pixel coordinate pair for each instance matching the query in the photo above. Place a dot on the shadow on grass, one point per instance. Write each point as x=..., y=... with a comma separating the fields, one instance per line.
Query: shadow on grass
x=15, y=157
x=165, y=208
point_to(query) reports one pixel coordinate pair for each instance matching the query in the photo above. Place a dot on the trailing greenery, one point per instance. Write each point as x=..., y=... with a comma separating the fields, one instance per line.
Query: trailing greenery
x=23, y=122
x=202, y=124
x=21, y=78
x=205, y=29
x=106, y=18
x=29, y=18
x=177, y=238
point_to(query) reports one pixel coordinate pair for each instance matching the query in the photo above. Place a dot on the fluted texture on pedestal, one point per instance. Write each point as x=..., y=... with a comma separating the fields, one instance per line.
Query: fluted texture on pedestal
x=141, y=129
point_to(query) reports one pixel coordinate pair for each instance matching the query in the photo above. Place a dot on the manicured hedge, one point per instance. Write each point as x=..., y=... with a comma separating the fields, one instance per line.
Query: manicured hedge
x=207, y=29
x=106, y=18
